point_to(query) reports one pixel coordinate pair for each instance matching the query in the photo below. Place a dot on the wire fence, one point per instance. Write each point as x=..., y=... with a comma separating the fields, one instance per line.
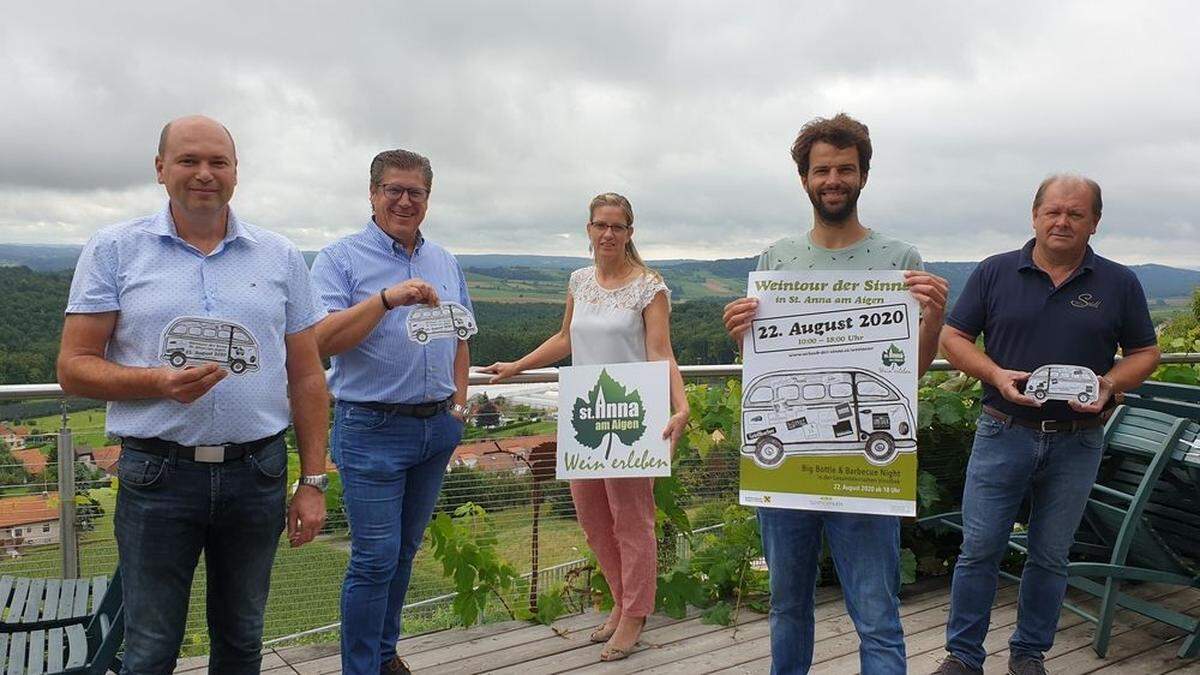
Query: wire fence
x=488, y=469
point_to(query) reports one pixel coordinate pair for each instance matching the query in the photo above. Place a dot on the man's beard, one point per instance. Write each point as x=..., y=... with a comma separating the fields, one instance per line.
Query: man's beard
x=839, y=215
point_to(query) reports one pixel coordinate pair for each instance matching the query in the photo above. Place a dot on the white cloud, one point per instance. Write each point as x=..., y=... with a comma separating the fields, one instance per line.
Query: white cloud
x=529, y=109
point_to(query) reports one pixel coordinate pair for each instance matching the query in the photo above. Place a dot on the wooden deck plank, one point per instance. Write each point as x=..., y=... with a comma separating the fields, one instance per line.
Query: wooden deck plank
x=509, y=648
x=704, y=639
x=1161, y=659
x=689, y=647
x=654, y=638
x=926, y=649
x=1072, y=653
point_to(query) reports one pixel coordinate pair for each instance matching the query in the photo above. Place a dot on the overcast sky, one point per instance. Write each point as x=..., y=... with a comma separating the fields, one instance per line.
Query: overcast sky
x=528, y=109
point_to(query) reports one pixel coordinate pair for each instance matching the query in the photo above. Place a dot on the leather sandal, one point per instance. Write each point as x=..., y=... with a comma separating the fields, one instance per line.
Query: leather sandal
x=616, y=653
x=601, y=635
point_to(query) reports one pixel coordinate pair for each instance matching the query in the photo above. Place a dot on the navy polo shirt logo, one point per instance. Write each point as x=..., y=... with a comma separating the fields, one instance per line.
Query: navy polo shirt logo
x=1085, y=301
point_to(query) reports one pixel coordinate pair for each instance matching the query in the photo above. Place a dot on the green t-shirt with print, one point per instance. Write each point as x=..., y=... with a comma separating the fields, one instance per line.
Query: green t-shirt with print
x=875, y=252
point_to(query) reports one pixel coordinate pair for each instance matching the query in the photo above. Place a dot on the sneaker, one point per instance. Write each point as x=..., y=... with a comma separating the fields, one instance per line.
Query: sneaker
x=1026, y=665
x=952, y=665
x=394, y=666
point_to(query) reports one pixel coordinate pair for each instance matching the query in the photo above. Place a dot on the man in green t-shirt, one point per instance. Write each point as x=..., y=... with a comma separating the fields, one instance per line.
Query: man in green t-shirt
x=833, y=157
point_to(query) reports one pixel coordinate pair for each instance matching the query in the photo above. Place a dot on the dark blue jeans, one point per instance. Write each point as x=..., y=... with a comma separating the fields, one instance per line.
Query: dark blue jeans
x=1007, y=463
x=866, y=554
x=168, y=511
x=392, y=468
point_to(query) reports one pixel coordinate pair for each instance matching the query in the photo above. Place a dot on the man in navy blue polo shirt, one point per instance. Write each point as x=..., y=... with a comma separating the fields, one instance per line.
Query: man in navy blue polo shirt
x=1054, y=301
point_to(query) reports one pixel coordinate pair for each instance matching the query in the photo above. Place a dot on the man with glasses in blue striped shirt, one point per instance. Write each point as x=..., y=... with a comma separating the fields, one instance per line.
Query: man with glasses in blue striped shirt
x=401, y=405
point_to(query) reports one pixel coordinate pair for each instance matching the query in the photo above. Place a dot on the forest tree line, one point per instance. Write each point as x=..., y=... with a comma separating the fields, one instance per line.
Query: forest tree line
x=32, y=305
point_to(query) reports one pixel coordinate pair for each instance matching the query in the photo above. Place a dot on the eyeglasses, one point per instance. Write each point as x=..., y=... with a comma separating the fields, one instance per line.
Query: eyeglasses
x=617, y=228
x=395, y=192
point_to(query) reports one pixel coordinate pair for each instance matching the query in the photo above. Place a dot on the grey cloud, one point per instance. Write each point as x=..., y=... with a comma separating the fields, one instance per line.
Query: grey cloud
x=529, y=109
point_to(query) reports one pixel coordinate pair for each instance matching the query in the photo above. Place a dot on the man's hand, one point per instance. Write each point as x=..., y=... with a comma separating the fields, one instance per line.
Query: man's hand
x=189, y=384
x=306, y=515
x=738, y=316
x=501, y=370
x=1106, y=391
x=930, y=290
x=1006, y=382
x=412, y=292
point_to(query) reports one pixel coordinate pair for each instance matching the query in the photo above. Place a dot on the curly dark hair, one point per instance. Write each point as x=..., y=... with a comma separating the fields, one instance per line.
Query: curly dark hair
x=842, y=131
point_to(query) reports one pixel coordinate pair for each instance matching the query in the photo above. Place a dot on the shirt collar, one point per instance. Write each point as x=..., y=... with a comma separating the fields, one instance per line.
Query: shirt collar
x=383, y=240
x=1088, y=263
x=163, y=225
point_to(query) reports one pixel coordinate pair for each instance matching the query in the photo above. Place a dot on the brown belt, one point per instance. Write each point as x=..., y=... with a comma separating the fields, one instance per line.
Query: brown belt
x=1051, y=426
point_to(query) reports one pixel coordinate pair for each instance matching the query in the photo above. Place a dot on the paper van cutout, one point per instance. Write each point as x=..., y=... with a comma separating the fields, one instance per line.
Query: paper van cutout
x=846, y=411
x=447, y=320
x=1057, y=382
x=192, y=340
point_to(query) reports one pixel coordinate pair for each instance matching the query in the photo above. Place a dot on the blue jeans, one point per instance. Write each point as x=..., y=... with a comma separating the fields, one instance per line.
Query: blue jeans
x=866, y=554
x=1057, y=471
x=392, y=468
x=168, y=511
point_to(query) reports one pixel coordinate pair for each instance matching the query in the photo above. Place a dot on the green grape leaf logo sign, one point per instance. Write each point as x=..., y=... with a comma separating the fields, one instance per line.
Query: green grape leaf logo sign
x=608, y=411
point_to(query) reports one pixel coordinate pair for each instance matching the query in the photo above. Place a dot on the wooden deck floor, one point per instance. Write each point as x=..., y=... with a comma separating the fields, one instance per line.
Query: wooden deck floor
x=690, y=647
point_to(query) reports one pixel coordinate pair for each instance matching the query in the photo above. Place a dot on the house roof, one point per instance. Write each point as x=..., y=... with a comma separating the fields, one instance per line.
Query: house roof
x=33, y=459
x=106, y=458
x=26, y=509
x=499, y=454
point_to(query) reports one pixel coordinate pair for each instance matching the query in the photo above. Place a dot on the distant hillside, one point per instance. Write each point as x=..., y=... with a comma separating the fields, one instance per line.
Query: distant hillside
x=39, y=258
x=535, y=278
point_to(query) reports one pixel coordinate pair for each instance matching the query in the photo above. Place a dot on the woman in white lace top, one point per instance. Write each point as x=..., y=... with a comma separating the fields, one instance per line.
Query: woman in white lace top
x=617, y=311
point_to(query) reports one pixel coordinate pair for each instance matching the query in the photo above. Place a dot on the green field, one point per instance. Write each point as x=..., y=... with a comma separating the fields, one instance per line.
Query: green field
x=87, y=426
x=486, y=288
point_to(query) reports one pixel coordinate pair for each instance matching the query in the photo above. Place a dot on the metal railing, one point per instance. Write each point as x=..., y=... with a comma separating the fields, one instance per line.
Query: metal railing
x=308, y=581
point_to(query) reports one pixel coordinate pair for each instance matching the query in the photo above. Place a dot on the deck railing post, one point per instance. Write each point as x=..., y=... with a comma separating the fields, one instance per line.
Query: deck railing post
x=66, y=500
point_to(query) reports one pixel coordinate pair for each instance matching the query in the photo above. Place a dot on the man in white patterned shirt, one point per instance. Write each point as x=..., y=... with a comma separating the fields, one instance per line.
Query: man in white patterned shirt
x=197, y=328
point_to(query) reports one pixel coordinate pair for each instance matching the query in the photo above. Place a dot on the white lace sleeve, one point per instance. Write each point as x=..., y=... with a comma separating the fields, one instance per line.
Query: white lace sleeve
x=576, y=279
x=651, y=287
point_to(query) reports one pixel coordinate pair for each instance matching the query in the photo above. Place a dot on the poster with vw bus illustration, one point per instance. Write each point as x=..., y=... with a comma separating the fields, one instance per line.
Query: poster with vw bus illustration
x=829, y=393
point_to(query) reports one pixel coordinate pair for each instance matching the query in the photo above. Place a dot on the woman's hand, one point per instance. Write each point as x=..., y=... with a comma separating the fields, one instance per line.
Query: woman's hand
x=675, y=427
x=502, y=370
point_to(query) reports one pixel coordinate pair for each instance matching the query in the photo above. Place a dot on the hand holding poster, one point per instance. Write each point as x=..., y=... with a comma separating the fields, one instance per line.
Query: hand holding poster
x=829, y=393
x=611, y=420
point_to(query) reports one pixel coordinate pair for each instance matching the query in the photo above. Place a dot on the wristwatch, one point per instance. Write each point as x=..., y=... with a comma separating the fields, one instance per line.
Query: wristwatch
x=460, y=410
x=319, y=481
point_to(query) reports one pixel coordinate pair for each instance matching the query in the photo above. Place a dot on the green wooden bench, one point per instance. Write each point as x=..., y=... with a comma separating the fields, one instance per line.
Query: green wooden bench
x=1180, y=400
x=61, y=641
x=43, y=603
x=1137, y=526
x=1142, y=521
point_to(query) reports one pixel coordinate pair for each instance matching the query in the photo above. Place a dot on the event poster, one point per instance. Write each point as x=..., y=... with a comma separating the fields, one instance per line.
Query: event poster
x=829, y=393
x=610, y=420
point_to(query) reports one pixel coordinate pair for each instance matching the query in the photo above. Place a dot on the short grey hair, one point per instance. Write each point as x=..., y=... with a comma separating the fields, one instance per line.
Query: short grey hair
x=405, y=160
x=1097, y=200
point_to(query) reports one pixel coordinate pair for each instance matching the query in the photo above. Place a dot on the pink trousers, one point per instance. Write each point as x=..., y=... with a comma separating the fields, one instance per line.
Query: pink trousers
x=617, y=516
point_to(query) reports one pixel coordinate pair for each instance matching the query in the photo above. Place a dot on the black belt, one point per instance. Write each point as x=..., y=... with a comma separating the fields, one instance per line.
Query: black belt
x=418, y=410
x=1051, y=426
x=207, y=454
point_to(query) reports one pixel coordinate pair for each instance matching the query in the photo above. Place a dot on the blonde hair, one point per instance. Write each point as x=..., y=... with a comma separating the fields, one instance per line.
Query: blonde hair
x=631, y=252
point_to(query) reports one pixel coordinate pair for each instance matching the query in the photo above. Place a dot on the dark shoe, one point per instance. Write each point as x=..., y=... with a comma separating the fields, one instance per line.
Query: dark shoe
x=952, y=665
x=1026, y=665
x=394, y=666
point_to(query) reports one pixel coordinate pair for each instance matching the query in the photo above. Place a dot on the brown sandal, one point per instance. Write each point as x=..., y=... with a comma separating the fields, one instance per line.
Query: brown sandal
x=601, y=635
x=615, y=653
